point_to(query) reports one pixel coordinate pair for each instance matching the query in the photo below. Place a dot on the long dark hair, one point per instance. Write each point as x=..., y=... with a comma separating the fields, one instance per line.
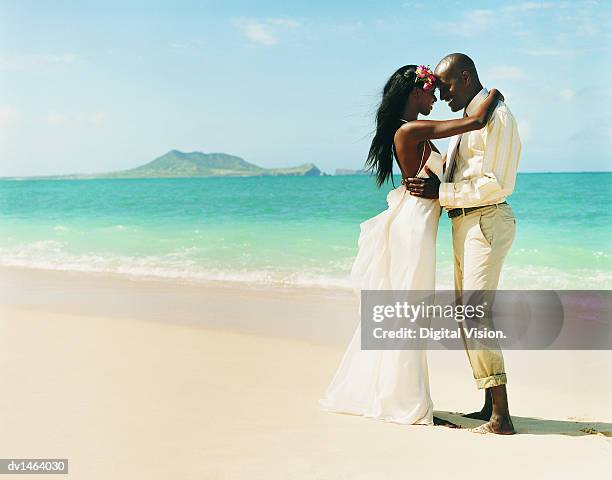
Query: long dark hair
x=395, y=95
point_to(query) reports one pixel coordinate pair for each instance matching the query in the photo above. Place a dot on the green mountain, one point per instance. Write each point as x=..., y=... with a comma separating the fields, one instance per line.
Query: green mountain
x=197, y=164
x=176, y=164
x=194, y=164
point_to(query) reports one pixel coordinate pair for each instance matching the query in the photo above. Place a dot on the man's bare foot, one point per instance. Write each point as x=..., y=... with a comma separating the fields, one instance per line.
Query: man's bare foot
x=498, y=425
x=484, y=414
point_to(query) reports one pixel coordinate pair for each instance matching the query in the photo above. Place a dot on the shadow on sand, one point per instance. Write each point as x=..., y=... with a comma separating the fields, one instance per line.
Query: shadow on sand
x=536, y=426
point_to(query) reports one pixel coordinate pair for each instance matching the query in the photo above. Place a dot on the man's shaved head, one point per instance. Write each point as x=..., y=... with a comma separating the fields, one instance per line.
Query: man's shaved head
x=458, y=80
x=455, y=63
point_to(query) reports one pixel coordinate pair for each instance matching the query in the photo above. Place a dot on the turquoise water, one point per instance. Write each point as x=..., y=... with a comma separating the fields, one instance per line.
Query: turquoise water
x=287, y=230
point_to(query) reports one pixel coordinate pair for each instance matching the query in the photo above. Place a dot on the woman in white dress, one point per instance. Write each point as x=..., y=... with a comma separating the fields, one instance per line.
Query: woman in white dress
x=397, y=250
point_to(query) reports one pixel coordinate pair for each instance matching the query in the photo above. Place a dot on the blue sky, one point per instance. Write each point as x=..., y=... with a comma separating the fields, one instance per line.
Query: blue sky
x=101, y=86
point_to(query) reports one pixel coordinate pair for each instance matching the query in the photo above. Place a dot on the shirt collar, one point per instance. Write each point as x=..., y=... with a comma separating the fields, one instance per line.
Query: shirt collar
x=475, y=102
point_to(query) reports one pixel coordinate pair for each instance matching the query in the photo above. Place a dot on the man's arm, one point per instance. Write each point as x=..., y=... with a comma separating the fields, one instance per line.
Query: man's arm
x=419, y=130
x=499, y=166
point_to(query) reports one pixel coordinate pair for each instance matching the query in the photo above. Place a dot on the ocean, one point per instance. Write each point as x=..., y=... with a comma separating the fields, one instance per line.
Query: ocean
x=284, y=230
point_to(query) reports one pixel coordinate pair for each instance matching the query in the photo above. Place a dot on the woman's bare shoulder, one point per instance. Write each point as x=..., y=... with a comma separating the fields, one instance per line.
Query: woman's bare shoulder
x=404, y=134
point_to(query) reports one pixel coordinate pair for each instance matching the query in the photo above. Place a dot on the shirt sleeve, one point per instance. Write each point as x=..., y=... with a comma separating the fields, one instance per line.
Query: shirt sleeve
x=499, y=166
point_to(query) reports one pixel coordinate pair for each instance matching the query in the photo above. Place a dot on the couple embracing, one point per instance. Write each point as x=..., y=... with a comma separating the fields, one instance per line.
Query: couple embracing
x=397, y=248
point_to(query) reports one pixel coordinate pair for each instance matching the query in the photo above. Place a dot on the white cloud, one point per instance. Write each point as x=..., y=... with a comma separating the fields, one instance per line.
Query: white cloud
x=265, y=32
x=587, y=28
x=526, y=6
x=481, y=16
x=259, y=33
x=470, y=24
x=504, y=72
x=284, y=22
x=91, y=118
x=567, y=94
x=8, y=115
x=55, y=119
x=26, y=61
x=583, y=20
x=350, y=27
x=95, y=118
x=552, y=52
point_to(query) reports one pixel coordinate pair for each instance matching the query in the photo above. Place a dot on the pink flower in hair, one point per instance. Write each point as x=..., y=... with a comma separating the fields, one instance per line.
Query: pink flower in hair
x=422, y=71
x=425, y=75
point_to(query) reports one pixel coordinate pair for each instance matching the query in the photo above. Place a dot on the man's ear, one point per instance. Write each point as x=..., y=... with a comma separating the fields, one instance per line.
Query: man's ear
x=466, y=78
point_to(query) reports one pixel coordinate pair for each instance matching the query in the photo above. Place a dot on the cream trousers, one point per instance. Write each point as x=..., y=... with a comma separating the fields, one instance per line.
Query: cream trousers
x=481, y=240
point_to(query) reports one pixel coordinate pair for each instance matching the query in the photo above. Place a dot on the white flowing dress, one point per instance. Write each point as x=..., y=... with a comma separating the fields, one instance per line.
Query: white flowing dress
x=397, y=251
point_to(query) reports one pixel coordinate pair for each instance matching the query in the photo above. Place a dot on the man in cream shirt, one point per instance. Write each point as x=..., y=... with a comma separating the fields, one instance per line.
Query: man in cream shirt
x=480, y=173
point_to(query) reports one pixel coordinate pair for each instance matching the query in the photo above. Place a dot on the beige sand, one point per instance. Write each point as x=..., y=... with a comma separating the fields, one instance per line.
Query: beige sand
x=153, y=388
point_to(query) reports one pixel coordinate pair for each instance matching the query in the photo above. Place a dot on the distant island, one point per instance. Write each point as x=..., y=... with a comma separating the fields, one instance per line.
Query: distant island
x=176, y=164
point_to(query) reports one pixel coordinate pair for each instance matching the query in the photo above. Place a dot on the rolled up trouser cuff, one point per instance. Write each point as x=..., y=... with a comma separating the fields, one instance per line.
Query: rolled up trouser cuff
x=492, y=381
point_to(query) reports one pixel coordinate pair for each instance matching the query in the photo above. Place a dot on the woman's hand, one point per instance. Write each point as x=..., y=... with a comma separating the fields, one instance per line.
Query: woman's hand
x=495, y=91
x=487, y=107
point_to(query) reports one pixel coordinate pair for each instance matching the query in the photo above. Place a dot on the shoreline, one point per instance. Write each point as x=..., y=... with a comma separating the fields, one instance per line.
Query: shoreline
x=210, y=304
